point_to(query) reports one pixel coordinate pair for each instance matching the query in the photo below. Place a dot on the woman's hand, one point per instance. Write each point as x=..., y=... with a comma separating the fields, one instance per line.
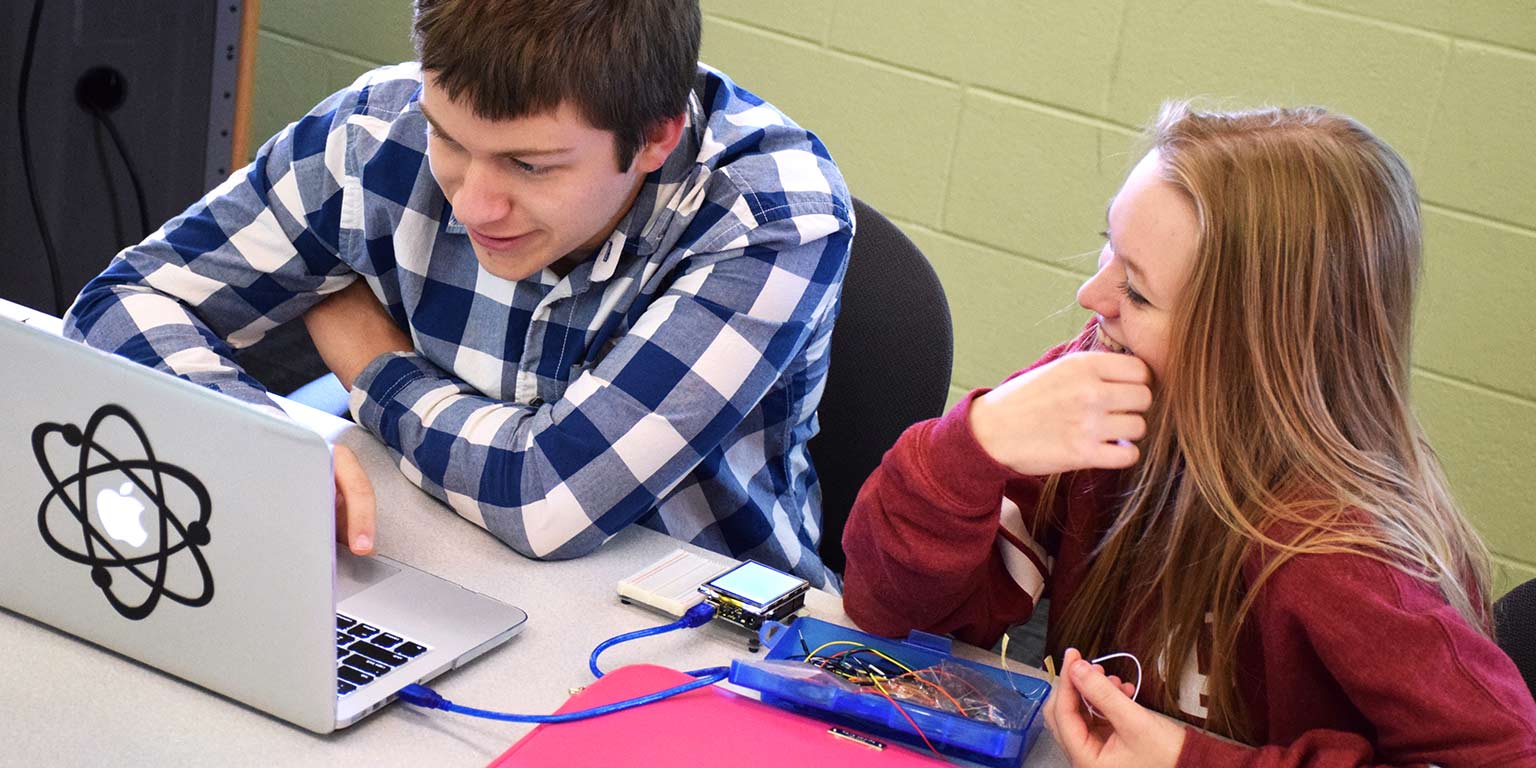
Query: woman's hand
x=1124, y=733
x=1081, y=411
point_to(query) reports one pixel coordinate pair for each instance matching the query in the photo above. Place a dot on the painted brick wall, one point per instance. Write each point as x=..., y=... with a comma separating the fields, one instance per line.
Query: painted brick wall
x=994, y=131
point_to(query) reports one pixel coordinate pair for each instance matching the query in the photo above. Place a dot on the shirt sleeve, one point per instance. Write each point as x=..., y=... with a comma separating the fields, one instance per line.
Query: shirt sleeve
x=255, y=252
x=557, y=480
x=1431, y=688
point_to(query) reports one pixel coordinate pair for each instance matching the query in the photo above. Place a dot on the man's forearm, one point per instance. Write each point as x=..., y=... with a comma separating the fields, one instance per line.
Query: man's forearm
x=154, y=329
x=351, y=329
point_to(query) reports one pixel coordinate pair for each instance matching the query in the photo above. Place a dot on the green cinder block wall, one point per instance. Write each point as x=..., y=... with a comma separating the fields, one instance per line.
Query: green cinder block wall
x=994, y=131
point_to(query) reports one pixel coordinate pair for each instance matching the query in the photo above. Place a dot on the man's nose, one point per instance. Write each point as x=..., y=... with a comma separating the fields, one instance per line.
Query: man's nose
x=481, y=198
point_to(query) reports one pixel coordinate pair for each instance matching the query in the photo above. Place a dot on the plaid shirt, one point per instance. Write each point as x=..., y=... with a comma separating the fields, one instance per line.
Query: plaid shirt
x=671, y=379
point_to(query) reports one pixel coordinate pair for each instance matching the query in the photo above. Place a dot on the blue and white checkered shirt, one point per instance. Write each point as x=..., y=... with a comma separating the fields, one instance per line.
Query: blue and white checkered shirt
x=671, y=379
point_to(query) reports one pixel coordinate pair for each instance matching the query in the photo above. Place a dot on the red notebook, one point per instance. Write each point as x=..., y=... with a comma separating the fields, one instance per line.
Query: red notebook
x=710, y=726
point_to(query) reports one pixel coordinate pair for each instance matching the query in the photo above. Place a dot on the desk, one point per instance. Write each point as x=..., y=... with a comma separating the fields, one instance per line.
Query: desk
x=70, y=703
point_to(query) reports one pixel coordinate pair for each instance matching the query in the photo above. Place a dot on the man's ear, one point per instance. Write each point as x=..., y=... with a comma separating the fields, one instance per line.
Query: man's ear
x=660, y=140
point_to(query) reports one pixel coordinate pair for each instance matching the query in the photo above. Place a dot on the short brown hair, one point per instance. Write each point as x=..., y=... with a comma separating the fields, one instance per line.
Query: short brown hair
x=625, y=65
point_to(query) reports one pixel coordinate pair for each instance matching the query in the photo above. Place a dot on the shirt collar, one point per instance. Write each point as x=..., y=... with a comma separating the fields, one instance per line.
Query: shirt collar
x=644, y=226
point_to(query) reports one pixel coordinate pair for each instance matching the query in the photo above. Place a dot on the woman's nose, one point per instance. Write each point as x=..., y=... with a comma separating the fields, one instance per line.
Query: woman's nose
x=1097, y=294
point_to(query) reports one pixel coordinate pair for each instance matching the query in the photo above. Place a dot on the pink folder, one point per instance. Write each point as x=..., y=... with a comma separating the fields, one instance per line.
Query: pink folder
x=710, y=726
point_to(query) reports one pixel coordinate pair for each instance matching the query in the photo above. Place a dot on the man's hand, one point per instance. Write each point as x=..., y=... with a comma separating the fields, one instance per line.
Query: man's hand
x=1079, y=412
x=1123, y=733
x=350, y=329
x=354, y=503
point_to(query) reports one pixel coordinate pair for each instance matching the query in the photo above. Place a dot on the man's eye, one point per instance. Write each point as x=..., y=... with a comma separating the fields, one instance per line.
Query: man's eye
x=528, y=168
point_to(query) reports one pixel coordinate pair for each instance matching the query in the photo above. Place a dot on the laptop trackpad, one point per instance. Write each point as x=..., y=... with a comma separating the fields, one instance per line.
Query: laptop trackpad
x=355, y=574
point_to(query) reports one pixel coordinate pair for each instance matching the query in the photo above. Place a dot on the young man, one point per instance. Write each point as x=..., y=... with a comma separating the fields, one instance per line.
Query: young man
x=572, y=278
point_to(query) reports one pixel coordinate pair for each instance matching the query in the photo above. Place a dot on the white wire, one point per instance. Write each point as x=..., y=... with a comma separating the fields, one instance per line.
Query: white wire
x=1107, y=657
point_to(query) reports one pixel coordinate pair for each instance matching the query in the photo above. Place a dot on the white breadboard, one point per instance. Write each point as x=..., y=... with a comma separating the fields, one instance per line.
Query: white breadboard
x=671, y=584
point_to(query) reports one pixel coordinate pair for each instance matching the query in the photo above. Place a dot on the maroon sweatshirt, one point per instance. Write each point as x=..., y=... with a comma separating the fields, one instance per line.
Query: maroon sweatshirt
x=1343, y=661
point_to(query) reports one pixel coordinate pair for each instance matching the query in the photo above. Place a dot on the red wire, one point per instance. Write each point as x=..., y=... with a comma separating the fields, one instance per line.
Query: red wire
x=894, y=702
x=903, y=712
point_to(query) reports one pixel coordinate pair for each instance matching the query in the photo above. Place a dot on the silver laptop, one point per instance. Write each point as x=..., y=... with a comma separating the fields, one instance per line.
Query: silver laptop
x=195, y=533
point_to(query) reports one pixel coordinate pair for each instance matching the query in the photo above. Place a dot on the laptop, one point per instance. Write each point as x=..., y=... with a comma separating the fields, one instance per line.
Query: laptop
x=196, y=534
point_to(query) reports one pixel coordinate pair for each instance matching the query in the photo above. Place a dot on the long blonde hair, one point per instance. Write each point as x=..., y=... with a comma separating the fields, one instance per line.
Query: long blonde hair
x=1282, y=426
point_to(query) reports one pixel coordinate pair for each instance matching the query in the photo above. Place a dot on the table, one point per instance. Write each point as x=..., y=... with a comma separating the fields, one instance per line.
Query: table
x=71, y=703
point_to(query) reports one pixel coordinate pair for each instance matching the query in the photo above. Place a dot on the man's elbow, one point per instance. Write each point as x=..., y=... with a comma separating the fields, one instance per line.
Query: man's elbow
x=93, y=300
x=542, y=541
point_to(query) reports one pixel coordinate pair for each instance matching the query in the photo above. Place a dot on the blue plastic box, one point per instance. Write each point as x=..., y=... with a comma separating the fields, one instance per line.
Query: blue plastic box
x=951, y=734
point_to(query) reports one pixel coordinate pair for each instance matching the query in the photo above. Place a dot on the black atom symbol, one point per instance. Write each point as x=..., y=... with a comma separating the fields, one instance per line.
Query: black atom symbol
x=146, y=475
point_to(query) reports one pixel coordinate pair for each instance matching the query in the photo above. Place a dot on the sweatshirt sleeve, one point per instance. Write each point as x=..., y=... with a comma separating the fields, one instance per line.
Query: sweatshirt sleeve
x=938, y=538
x=921, y=538
x=1430, y=687
x=1315, y=749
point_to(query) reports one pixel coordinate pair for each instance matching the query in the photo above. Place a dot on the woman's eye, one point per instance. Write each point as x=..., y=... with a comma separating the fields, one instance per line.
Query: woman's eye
x=1131, y=293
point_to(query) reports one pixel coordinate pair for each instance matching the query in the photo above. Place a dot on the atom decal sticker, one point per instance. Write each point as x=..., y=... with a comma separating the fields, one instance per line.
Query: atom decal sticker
x=119, y=511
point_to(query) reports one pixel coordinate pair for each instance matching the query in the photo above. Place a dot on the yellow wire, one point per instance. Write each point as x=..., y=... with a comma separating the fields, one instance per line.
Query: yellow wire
x=812, y=654
x=861, y=647
x=904, y=667
x=1002, y=656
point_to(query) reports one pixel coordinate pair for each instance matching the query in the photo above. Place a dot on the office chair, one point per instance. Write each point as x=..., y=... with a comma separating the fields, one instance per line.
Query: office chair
x=1514, y=627
x=892, y=349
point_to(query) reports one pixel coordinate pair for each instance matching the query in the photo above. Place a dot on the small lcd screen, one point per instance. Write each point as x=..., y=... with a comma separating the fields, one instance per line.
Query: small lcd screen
x=757, y=583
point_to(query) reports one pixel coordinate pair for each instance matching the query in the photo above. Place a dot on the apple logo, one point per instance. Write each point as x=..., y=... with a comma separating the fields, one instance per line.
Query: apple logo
x=119, y=512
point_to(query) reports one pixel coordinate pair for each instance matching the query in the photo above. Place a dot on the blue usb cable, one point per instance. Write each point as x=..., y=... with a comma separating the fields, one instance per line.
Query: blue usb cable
x=422, y=696
x=697, y=616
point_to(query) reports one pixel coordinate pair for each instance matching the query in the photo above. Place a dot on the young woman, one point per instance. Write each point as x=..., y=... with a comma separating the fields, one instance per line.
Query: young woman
x=1220, y=476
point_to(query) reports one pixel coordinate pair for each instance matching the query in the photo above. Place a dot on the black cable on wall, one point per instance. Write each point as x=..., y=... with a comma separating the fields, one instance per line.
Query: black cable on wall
x=49, y=252
x=100, y=92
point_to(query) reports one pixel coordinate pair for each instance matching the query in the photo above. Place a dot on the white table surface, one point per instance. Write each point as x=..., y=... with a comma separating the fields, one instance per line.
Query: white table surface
x=70, y=703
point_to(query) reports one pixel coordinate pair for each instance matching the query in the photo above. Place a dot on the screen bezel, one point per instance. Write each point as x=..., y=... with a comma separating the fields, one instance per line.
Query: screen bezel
x=800, y=586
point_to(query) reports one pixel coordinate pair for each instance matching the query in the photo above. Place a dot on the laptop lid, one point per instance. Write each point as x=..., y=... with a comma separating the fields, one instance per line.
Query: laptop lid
x=169, y=523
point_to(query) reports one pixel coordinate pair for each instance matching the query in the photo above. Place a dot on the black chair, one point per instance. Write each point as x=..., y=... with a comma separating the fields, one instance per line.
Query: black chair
x=892, y=349
x=1514, y=627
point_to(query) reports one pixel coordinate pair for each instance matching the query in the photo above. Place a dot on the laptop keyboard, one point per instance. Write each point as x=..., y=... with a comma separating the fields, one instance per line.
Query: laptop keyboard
x=365, y=653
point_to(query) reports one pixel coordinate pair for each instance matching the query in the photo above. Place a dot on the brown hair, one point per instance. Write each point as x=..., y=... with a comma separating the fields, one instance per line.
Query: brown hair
x=625, y=65
x=1282, y=427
